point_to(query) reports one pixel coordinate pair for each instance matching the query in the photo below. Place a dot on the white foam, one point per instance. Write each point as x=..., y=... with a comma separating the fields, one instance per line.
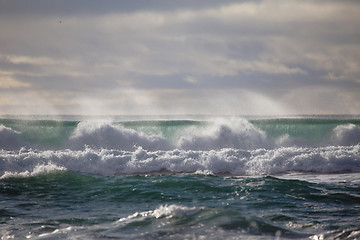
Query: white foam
x=107, y=135
x=349, y=234
x=333, y=159
x=37, y=170
x=238, y=133
x=215, y=135
x=171, y=211
x=232, y=147
x=349, y=179
x=204, y=172
x=348, y=134
x=164, y=211
x=230, y=133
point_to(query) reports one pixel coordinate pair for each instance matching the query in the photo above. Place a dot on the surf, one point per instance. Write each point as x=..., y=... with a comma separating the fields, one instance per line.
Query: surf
x=233, y=146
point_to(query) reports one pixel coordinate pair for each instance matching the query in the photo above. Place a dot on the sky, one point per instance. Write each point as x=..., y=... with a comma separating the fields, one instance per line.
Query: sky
x=261, y=57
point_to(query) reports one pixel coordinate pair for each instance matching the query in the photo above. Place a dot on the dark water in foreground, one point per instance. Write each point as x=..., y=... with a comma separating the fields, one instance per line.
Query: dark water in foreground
x=184, y=206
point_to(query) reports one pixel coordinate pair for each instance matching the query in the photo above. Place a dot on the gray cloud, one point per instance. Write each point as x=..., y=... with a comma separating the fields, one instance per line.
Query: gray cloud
x=67, y=53
x=93, y=7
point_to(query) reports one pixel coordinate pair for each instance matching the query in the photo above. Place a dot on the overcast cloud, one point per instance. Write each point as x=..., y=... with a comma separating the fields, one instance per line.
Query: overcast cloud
x=180, y=57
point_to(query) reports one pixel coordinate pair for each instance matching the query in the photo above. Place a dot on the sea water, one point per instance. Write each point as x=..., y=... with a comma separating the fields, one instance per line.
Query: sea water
x=183, y=177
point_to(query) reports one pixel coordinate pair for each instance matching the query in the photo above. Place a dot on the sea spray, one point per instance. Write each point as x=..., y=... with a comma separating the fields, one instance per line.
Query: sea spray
x=10, y=139
x=348, y=134
x=222, y=133
x=107, y=135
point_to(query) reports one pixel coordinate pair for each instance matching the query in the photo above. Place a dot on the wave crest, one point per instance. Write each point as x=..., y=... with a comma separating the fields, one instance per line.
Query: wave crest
x=10, y=139
x=225, y=134
x=107, y=135
x=348, y=134
x=215, y=135
x=165, y=211
x=220, y=134
x=37, y=170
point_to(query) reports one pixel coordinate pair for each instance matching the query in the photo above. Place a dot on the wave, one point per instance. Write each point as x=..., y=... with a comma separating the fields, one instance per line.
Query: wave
x=37, y=170
x=214, y=135
x=10, y=139
x=333, y=159
x=164, y=211
x=224, y=134
x=184, y=135
x=232, y=146
x=348, y=134
x=107, y=135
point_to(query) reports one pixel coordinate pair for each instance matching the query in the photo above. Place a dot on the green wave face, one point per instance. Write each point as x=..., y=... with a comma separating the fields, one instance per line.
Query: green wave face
x=55, y=134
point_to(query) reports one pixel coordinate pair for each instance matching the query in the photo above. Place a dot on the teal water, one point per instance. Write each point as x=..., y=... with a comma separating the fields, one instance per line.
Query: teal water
x=75, y=205
x=315, y=130
x=55, y=133
x=210, y=178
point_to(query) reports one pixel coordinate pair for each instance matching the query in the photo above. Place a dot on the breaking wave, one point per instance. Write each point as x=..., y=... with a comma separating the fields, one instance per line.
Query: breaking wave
x=107, y=135
x=235, y=147
x=10, y=139
x=348, y=134
x=224, y=134
x=164, y=211
x=331, y=159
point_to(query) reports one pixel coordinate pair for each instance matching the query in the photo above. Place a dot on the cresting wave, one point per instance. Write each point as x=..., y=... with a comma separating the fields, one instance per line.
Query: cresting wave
x=10, y=139
x=164, y=211
x=221, y=147
x=173, y=212
x=333, y=159
x=217, y=134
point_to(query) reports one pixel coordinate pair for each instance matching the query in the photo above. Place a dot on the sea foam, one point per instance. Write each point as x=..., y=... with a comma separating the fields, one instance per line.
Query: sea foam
x=214, y=135
x=37, y=170
x=222, y=133
x=164, y=211
x=333, y=159
x=348, y=134
x=234, y=147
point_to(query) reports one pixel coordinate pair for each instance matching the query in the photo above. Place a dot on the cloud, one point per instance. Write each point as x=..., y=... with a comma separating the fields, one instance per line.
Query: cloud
x=7, y=82
x=191, y=79
x=79, y=52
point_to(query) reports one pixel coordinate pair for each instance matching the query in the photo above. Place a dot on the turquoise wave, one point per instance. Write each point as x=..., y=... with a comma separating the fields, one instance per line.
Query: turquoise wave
x=55, y=134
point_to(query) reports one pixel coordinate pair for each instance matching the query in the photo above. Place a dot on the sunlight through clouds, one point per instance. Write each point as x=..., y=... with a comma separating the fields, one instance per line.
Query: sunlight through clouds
x=270, y=49
x=7, y=82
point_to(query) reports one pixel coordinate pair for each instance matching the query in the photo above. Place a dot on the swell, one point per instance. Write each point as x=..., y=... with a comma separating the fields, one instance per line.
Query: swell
x=35, y=133
x=185, y=134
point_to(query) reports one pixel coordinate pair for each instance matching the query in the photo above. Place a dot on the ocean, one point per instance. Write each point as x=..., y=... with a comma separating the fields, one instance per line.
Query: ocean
x=180, y=177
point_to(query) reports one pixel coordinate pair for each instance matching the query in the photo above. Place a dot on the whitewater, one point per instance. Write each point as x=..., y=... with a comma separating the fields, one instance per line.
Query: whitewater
x=183, y=177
